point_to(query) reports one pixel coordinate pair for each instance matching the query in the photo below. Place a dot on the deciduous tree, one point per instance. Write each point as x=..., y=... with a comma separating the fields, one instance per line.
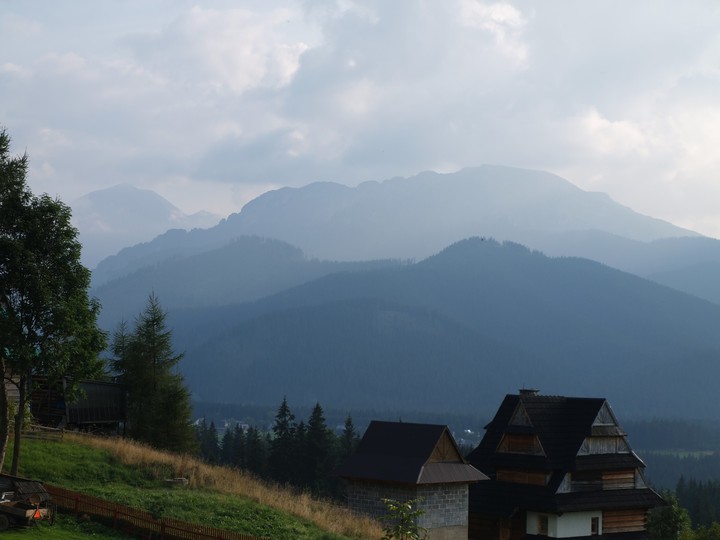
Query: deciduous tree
x=48, y=323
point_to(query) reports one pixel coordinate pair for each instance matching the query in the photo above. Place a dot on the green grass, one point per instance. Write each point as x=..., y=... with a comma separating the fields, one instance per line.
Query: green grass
x=96, y=472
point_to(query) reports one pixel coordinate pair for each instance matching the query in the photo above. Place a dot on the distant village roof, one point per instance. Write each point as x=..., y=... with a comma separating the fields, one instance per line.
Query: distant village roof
x=408, y=453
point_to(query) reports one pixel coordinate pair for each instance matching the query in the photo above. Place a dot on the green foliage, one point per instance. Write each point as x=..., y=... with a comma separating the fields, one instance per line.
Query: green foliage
x=670, y=522
x=349, y=439
x=47, y=321
x=711, y=532
x=159, y=407
x=319, y=449
x=401, y=519
x=283, y=455
x=299, y=454
x=701, y=499
x=207, y=436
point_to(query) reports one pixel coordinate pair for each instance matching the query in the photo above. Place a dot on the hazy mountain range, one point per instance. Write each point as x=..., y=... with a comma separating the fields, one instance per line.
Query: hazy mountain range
x=262, y=312
x=413, y=218
x=120, y=216
x=457, y=331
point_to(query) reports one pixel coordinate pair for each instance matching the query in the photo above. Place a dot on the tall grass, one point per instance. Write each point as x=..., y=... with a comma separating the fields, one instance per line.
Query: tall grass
x=325, y=514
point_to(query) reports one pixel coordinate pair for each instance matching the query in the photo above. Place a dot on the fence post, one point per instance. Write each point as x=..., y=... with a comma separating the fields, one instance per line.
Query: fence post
x=162, y=530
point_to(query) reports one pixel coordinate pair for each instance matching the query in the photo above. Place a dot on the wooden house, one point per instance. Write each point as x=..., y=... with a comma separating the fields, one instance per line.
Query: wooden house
x=559, y=467
x=99, y=406
x=404, y=461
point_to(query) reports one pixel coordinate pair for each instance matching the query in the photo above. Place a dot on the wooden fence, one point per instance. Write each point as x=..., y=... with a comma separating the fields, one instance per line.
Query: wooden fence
x=138, y=522
x=44, y=433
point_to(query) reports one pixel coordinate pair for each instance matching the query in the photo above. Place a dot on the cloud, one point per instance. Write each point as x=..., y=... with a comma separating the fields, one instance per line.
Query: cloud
x=616, y=96
x=223, y=51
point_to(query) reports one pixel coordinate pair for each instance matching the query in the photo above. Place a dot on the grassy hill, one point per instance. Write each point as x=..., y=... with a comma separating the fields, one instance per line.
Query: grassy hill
x=133, y=474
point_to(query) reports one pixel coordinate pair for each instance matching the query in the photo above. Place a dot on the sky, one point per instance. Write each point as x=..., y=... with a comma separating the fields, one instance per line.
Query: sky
x=213, y=103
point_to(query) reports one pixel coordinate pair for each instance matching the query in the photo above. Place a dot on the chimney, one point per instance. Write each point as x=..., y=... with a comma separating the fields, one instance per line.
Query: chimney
x=528, y=392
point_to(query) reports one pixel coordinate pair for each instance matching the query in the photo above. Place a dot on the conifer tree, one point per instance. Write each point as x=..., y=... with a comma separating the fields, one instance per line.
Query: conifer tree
x=227, y=447
x=239, y=455
x=256, y=460
x=348, y=440
x=319, y=449
x=283, y=445
x=159, y=408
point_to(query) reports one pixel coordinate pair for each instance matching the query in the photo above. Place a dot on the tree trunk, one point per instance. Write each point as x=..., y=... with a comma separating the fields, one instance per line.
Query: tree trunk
x=19, y=419
x=4, y=418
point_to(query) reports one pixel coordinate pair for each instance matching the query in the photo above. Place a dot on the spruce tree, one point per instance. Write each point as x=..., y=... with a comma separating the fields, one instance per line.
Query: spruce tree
x=282, y=445
x=319, y=449
x=159, y=407
x=239, y=456
x=348, y=440
x=227, y=447
x=256, y=459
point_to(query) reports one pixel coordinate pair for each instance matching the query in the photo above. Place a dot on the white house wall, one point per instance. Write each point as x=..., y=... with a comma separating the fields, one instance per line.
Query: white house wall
x=568, y=525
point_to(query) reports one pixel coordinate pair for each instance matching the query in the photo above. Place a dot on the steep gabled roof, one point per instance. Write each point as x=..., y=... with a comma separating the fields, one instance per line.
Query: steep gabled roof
x=565, y=432
x=561, y=424
x=408, y=453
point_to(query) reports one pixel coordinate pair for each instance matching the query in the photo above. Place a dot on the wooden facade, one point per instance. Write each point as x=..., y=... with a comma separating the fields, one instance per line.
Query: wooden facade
x=559, y=467
x=98, y=406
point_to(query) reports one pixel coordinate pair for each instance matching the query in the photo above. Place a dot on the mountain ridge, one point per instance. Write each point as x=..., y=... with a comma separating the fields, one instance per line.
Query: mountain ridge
x=496, y=314
x=406, y=218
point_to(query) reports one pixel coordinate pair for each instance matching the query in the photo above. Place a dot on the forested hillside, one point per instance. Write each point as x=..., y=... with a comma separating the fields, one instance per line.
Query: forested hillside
x=247, y=268
x=458, y=331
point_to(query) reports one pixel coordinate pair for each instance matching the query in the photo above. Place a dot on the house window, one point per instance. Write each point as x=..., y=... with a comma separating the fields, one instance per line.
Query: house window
x=594, y=526
x=542, y=524
x=520, y=444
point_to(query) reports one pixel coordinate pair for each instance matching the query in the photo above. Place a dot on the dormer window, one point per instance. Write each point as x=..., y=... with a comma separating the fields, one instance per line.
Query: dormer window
x=520, y=444
x=520, y=417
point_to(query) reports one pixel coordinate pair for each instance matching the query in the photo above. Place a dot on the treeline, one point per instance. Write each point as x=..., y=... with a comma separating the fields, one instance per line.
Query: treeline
x=700, y=499
x=672, y=435
x=299, y=454
x=665, y=470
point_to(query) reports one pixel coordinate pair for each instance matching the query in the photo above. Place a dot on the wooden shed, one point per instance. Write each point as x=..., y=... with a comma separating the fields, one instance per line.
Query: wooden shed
x=99, y=405
x=403, y=461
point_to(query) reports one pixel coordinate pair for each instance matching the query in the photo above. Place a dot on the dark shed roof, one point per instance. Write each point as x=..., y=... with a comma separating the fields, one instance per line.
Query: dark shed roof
x=401, y=452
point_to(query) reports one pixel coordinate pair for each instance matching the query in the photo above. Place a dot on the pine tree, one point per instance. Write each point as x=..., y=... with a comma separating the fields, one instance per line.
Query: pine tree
x=256, y=458
x=239, y=457
x=319, y=449
x=227, y=447
x=348, y=440
x=159, y=408
x=282, y=445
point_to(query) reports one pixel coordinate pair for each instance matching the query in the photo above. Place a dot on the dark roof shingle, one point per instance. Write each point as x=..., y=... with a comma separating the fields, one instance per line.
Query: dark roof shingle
x=400, y=452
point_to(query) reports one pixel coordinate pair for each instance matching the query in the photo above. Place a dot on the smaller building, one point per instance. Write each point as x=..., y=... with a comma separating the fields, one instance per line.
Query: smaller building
x=99, y=405
x=404, y=461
